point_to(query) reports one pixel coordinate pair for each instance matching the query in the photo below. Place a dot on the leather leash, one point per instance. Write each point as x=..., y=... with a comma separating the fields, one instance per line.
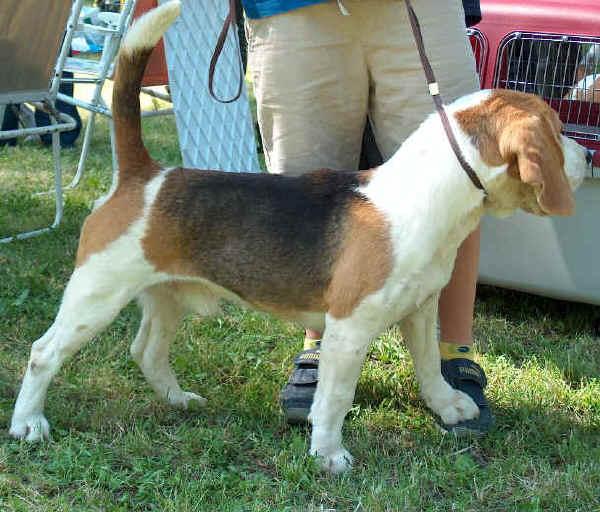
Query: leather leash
x=230, y=21
x=434, y=91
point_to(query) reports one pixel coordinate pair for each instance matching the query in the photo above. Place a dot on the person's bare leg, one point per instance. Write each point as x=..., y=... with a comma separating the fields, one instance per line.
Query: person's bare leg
x=312, y=334
x=456, y=308
x=457, y=299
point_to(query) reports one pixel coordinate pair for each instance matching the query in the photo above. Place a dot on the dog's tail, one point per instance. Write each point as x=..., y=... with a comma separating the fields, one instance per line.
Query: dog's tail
x=135, y=51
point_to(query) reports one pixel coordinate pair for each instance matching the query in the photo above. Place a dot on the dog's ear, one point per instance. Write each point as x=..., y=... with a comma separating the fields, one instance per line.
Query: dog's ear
x=531, y=145
x=521, y=130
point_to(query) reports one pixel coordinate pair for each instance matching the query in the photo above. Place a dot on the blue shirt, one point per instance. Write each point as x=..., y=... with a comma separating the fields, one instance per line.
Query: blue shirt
x=263, y=8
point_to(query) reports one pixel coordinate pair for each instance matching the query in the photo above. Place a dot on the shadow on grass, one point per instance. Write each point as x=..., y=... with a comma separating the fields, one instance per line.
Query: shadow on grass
x=526, y=413
x=561, y=317
x=527, y=329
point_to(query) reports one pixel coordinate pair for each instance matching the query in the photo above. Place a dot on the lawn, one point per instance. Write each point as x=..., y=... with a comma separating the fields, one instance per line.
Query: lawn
x=114, y=447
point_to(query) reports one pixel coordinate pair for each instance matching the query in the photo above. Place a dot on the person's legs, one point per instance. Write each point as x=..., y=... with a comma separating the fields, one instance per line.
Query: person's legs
x=400, y=100
x=399, y=103
x=457, y=299
x=311, y=87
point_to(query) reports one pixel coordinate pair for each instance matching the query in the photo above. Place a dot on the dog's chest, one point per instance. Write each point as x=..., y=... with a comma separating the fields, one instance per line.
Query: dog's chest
x=420, y=271
x=425, y=250
x=406, y=294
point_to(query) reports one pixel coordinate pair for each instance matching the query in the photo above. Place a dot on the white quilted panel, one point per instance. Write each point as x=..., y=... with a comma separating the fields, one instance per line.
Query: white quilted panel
x=211, y=135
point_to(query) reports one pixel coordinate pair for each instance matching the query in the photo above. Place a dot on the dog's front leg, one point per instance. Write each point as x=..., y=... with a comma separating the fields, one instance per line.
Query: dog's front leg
x=419, y=331
x=343, y=350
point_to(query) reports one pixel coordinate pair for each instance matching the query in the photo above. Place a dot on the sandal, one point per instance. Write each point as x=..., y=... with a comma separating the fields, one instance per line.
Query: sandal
x=297, y=396
x=467, y=376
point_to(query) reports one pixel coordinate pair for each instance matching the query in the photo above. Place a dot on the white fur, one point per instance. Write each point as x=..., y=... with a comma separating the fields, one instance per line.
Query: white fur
x=95, y=294
x=587, y=89
x=162, y=312
x=430, y=205
x=575, y=170
x=148, y=29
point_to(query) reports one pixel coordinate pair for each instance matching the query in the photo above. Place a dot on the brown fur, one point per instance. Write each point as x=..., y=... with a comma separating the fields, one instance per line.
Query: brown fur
x=523, y=131
x=134, y=160
x=365, y=259
x=103, y=226
x=273, y=241
x=135, y=165
x=262, y=259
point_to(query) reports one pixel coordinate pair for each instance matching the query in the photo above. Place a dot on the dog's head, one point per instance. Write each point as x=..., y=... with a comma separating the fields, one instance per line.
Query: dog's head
x=524, y=161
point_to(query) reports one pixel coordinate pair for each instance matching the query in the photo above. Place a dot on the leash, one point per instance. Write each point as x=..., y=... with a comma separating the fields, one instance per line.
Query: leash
x=434, y=91
x=230, y=21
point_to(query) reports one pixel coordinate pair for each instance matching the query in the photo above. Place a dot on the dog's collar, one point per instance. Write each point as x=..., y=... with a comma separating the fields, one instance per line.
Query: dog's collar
x=434, y=91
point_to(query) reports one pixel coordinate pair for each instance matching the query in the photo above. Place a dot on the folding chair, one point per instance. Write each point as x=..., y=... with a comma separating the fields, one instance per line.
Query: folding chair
x=31, y=36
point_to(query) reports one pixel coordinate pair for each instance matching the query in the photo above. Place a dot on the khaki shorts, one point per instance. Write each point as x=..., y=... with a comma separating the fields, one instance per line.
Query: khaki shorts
x=318, y=74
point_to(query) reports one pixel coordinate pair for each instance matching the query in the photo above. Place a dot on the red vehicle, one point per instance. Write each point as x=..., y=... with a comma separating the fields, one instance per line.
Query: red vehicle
x=550, y=48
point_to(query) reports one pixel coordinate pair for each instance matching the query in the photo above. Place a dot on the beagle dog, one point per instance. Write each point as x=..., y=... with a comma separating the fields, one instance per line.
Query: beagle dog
x=181, y=240
x=587, y=89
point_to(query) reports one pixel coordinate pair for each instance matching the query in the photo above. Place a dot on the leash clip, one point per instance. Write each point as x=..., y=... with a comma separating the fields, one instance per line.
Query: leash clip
x=434, y=89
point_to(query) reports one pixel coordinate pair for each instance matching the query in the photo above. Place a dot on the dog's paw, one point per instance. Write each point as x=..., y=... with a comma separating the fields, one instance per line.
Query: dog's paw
x=459, y=407
x=336, y=462
x=185, y=399
x=32, y=429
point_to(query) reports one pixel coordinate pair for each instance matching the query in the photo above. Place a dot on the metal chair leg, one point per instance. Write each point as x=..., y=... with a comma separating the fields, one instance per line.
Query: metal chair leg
x=113, y=151
x=58, y=193
x=85, y=147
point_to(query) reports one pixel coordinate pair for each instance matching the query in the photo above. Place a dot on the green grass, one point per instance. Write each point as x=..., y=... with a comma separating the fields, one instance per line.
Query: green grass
x=115, y=447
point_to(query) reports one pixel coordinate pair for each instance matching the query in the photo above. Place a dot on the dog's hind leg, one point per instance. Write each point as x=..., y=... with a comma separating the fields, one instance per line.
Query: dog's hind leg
x=451, y=405
x=161, y=314
x=86, y=308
